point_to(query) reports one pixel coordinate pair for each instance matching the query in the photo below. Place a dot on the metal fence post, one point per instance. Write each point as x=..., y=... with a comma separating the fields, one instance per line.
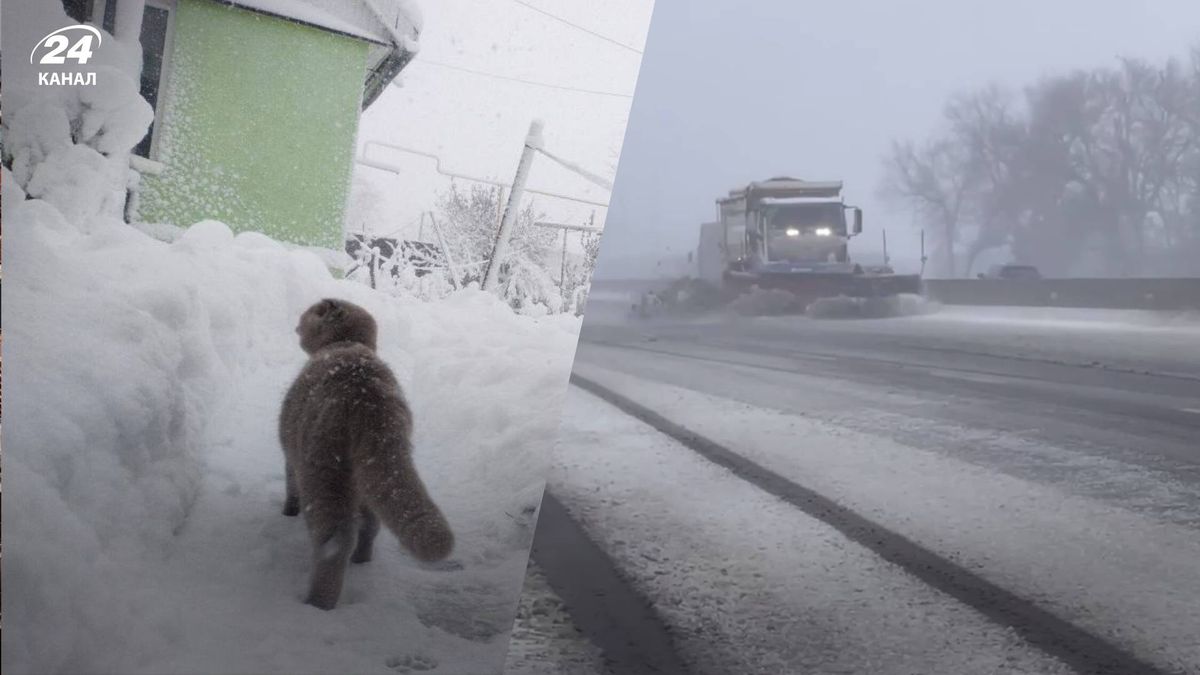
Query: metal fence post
x=533, y=142
x=437, y=230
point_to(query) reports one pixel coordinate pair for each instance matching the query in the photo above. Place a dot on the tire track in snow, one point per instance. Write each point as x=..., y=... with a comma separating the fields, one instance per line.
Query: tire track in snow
x=1081, y=650
x=614, y=616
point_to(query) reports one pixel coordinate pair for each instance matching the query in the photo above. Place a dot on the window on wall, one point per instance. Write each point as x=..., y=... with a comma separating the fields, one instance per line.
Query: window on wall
x=155, y=27
x=155, y=38
x=103, y=13
x=77, y=9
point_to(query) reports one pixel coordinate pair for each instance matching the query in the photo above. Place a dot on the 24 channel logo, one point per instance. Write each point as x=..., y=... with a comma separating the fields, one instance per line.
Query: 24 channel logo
x=71, y=43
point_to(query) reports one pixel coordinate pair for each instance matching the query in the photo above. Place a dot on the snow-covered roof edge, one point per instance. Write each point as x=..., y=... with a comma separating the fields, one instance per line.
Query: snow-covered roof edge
x=393, y=24
x=403, y=22
x=380, y=21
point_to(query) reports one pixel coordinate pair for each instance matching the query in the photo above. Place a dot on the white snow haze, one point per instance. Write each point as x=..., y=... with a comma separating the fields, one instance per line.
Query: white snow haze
x=460, y=99
x=732, y=92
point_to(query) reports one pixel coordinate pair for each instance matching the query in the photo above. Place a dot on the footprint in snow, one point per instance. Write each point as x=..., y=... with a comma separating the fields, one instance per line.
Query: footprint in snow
x=411, y=664
x=447, y=565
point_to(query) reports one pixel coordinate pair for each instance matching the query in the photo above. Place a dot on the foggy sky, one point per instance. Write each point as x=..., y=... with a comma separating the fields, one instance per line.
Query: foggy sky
x=477, y=124
x=731, y=92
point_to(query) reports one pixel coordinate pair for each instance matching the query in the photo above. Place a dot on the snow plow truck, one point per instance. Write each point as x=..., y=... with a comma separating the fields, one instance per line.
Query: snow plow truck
x=792, y=235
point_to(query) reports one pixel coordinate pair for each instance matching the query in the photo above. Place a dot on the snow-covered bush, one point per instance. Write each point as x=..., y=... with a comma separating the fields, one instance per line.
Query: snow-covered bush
x=529, y=288
x=397, y=276
x=69, y=145
x=470, y=221
x=579, y=273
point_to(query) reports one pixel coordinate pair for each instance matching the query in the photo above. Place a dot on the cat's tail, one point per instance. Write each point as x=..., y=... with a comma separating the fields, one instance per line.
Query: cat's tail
x=389, y=483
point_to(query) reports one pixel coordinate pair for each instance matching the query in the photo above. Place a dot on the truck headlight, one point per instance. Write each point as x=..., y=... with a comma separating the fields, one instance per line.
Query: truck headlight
x=792, y=232
x=824, y=232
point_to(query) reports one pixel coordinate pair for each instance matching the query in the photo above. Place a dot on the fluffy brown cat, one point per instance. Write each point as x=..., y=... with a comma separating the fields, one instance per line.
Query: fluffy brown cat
x=345, y=428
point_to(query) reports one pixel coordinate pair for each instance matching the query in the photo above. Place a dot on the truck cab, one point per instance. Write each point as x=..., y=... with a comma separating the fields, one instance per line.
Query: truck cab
x=787, y=223
x=800, y=230
x=791, y=235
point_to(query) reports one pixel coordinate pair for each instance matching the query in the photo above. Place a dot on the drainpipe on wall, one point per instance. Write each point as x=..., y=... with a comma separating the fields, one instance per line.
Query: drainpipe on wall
x=128, y=28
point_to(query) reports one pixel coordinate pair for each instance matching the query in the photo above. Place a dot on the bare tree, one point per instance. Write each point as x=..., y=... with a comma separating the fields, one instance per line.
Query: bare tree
x=934, y=181
x=992, y=138
x=1092, y=171
x=1055, y=199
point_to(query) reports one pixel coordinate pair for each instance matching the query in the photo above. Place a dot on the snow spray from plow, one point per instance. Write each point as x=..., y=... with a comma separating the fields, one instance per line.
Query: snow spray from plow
x=685, y=297
x=901, y=304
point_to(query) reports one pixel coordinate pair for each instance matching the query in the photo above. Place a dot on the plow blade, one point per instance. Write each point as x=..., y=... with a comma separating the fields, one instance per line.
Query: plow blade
x=809, y=287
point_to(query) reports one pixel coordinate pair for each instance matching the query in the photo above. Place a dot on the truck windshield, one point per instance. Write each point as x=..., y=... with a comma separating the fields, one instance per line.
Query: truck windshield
x=807, y=218
x=805, y=232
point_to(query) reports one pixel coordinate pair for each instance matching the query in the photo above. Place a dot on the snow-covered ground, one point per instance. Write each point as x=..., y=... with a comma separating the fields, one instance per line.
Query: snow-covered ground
x=1118, y=565
x=1120, y=320
x=749, y=584
x=1129, y=340
x=145, y=477
x=1165, y=342
x=545, y=641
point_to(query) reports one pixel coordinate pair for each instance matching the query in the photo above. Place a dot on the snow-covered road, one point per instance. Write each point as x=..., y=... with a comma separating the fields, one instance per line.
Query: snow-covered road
x=545, y=640
x=1053, y=458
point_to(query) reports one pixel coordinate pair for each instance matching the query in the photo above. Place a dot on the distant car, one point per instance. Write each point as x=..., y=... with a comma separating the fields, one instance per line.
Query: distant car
x=1026, y=272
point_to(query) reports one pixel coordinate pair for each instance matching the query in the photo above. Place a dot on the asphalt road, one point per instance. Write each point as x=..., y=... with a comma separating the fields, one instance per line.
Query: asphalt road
x=1130, y=394
x=1099, y=408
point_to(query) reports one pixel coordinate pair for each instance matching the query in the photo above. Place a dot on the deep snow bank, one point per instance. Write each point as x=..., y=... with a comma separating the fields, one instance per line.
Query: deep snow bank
x=119, y=348
x=115, y=353
x=144, y=473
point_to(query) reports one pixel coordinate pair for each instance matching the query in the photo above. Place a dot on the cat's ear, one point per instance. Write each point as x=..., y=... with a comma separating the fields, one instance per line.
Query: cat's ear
x=334, y=311
x=322, y=308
